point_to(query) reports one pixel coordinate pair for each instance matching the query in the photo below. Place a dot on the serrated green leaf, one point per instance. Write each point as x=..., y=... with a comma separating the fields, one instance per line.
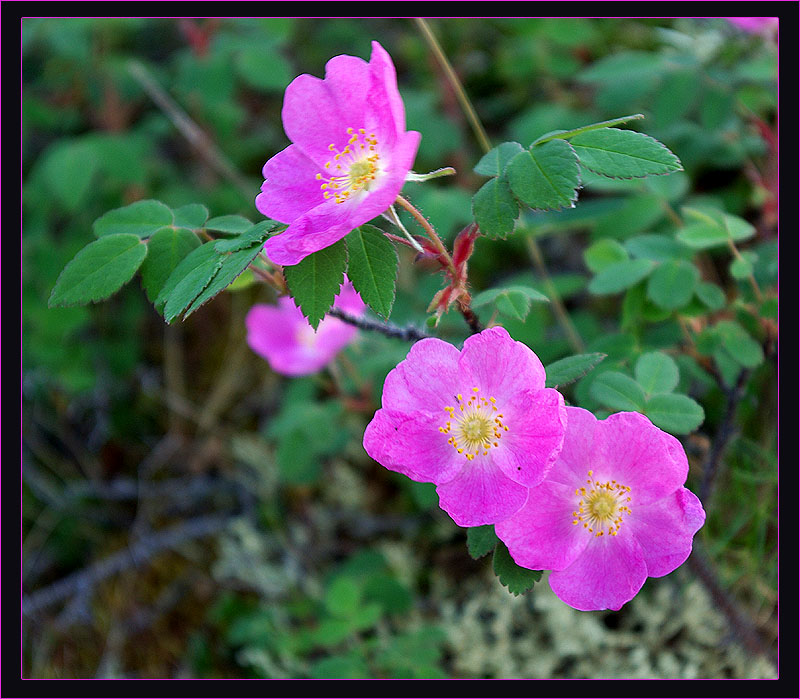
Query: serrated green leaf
x=494, y=208
x=674, y=412
x=604, y=253
x=142, y=218
x=190, y=216
x=98, y=270
x=230, y=223
x=546, y=176
x=623, y=153
x=372, y=267
x=517, y=579
x=481, y=540
x=188, y=280
x=494, y=162
x=617, y=391
x=656, y=372
x=671, y=286
x=619, y=276
x=571, y=133
x=232, y=266
x=166, y=248
x=565, y=371
x=710, y=228
x=711, y=295
x=253, y=236
x=315, y=280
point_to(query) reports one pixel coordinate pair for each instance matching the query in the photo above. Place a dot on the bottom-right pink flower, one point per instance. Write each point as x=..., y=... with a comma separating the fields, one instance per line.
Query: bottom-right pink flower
x=611, y=512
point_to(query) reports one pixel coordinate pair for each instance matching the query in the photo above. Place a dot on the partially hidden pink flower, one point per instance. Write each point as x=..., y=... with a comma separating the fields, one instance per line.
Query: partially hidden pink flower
x=611, y=512
x=283, y=336
x=349, y=157
x=478, y=423
x=755, y=25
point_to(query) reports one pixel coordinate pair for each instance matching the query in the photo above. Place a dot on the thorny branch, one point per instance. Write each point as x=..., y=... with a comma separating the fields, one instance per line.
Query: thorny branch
x=409, y=333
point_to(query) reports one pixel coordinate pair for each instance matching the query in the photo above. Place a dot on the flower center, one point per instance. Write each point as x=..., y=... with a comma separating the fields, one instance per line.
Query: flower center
x=602, y=507
x=353, y=168
x=475, y=425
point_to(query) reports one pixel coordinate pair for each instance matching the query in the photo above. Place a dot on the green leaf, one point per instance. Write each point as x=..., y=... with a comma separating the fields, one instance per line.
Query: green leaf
x=255, y=235
x=372, y=267
x=188, y=280
x=565, y=371
x=481, y=540
x=142, y=218
x=674, y=412
x=232, y=266
x=166, y=248
x=495, y=209
x=343, y=597
x=566, y=135
x=711, y=295
x=738, y=343
x=230, y=223
x=617, y=391
x=657, y=372
x=545, y=176
x=619, y=276
x=315, y=281
x=603, y=253
x=494, y=162
x=650, y=246
x=68, y=168
x=742, y=266
x=190, y=216
x=518, y=580
x=98, y=270
x=512, y=301
x=623, y=153
x=671, y=286
x=712, y=228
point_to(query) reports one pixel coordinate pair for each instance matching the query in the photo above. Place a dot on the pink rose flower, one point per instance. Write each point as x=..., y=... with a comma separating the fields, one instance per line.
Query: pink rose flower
x=349, y=156
x=283, y=336
x=478, y=423
x=611, y=512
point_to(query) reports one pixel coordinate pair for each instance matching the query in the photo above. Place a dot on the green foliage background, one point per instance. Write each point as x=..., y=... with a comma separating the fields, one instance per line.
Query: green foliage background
x=295, y=555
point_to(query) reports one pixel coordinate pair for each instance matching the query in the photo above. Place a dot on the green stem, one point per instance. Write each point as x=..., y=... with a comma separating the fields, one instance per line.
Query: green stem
x=583, y=129
x=461, y=95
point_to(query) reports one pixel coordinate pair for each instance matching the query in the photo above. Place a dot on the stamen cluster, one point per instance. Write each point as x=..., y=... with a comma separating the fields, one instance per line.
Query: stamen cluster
x=356, y=165
x=604, y=504
x=478, y=425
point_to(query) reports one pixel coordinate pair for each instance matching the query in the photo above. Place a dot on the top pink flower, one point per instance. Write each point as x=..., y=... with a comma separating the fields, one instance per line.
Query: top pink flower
x=348, y=160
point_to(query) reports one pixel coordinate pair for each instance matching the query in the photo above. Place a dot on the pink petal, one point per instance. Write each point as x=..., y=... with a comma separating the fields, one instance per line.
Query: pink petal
x=385, y=104
x=348, y=79
x=541, y=536
x=411, y=444
x=290, y=187
x=632, y=450
x=349, y=300
x=664, y=530
x=480, y=494
x=574, y=460
x=316, y=229
x=609, y=573
x=500, y=366
x=427, y=379
x=536, y=422
x=273, y=334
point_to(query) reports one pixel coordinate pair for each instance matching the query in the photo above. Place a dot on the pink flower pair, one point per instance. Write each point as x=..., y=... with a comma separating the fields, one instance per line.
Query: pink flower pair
x=601, y=503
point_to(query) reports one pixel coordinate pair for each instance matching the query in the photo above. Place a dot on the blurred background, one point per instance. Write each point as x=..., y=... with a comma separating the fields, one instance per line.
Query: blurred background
x=186, y=512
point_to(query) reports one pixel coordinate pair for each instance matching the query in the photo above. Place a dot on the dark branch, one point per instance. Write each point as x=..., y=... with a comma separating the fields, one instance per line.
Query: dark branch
x=410, y=333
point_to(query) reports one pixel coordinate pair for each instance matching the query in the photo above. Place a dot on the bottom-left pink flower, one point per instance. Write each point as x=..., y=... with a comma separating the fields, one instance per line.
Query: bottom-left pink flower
x=283, y=336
